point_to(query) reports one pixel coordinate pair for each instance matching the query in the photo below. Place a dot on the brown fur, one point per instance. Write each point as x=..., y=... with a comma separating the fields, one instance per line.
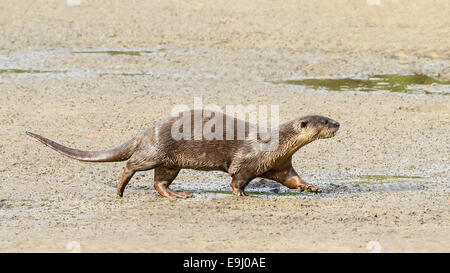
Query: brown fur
x=242, y=159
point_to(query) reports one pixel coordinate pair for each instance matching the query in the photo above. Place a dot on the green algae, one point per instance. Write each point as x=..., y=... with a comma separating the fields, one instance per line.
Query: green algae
x=390, y=82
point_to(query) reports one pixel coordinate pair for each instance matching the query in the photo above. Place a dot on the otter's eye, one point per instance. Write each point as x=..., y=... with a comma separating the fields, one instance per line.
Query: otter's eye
x=325, y=122
x=303, y=124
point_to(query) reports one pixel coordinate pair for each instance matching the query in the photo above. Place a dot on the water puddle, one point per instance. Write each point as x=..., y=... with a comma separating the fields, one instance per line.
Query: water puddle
x=345, y=185
x=33, y=63
x=417, y=83
x=263, y=188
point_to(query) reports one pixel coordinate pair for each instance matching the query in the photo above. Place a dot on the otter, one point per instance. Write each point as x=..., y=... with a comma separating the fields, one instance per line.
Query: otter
x=243, y=159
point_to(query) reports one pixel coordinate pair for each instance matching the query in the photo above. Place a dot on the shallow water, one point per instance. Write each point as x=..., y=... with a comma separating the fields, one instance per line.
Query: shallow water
x=388, y=82
x=351, y=184
x=34, y=64
x=269, y=193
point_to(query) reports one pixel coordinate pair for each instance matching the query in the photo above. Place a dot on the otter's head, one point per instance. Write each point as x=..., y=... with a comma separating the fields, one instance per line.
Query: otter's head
x=316, y=127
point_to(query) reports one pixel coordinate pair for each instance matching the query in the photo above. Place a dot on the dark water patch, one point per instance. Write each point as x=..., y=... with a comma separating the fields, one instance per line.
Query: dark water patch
x=349, y=188
x=390, y=82
x=259, y=193
x=264, y=184
x=115, y=52
x=335, y=188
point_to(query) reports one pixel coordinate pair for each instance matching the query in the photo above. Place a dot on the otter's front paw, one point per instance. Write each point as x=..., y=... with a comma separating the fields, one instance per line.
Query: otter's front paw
x=309, y=188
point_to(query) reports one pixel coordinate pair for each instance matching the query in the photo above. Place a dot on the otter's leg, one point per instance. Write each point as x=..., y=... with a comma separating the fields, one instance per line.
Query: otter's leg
x=289, y=178
x=238, y=184
x=136, y=163
x=125, y=177
x=163, y=179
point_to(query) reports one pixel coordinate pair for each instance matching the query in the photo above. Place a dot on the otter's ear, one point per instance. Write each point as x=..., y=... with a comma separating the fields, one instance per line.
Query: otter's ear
x=303, y=124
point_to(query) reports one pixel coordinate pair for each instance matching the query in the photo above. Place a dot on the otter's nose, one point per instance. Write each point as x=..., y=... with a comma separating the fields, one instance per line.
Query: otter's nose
x=335, y=124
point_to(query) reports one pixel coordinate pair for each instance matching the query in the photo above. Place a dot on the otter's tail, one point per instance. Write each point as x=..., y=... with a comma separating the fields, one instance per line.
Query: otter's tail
x=121, y=153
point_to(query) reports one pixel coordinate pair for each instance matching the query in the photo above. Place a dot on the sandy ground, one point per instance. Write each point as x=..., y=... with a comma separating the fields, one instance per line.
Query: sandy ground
x=224, y=52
